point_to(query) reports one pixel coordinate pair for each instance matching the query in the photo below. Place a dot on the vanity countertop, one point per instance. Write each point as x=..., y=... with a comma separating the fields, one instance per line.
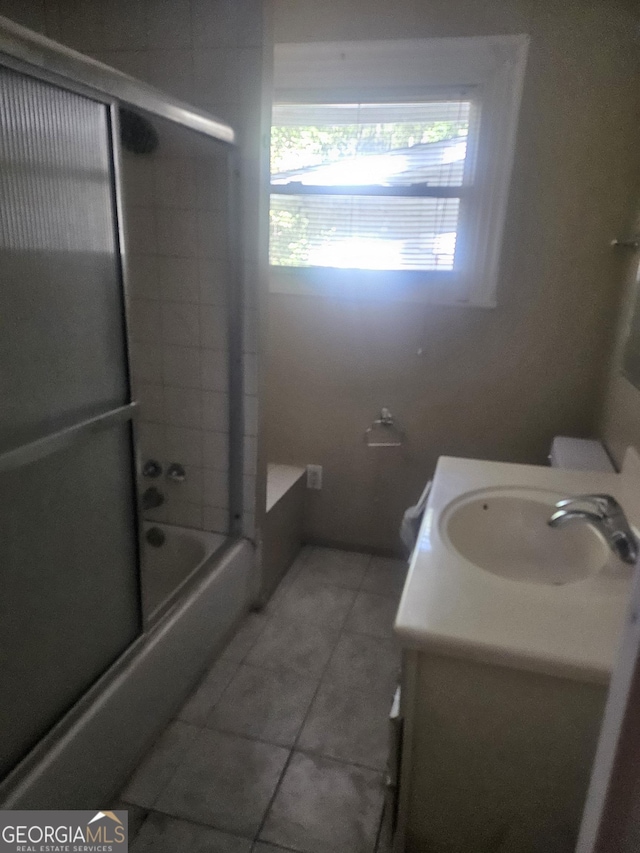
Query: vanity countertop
x=450, y=606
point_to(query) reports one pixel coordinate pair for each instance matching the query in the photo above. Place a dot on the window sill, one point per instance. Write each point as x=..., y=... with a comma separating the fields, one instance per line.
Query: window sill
x=432, y=288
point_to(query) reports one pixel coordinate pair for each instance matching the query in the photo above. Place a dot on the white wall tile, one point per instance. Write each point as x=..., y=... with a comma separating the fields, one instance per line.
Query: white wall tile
x=179, y=279
x=140, y=229
x=138, y=179
x=215, y=411
x=213, y=327
x=180, y=323
x=31, y=15
x=176, y=232
x=251, y=271
x=145, y=321
x=215, y=374
x=216, y=488
x=190, y=489
x=184, y=514
x=211, y=180
x=146, y=362
x=151, y=400
x=181, y=366
x=183, y=407
x=252, y=17
x=183, y=444
x=158, y=513
x=216, y=24
x=250, y=506
x=250, y=373
x=124, y=25
x=142, y=276
x=212, y=278
x=249, y=62
x=81, y=26
x=215, y=75
x=174, y=140
x=250, y=456
x=249, y=492
x=250, y=415
x=215, y=520
x=151, y=438
x=169, y=23
x=213, y=234
x=250, y=331
x=133, y=62
x=175, y=182
x=249, y=524
x=215, y=450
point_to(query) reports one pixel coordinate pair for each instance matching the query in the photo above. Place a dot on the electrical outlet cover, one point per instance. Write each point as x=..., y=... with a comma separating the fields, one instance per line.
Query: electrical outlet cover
x=314, y=477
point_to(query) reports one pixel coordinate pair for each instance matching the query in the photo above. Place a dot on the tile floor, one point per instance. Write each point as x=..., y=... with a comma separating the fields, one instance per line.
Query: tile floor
x=283, y=744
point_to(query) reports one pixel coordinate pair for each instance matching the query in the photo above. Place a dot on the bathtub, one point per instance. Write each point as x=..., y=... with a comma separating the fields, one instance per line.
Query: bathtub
x=168, y=568
x=197, y=586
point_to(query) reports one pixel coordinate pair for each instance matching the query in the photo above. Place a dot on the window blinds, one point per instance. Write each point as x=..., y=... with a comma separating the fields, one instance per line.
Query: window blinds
x=368, y=186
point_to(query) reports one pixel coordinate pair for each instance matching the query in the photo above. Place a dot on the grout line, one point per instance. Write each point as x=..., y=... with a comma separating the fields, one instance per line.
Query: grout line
x=339, y=636
x=236, y=667
x=387, y=638
x=380, y=771
x=364, y=574
x=181, y=817
x=292, y=749
x=144, y=757
x=154, y=811
x=304, y=719
x=276, y=789
x=279, y=846
x=244, y=736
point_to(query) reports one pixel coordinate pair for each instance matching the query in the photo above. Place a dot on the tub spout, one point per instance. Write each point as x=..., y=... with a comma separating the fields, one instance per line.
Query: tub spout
x=152, y=498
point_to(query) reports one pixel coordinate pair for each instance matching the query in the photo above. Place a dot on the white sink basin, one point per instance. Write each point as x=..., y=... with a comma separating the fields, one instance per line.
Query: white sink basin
x=505, y=531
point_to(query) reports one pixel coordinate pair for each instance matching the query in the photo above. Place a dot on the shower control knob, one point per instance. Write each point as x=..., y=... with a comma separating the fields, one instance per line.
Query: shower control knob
x=176, y=472
x=152, y=468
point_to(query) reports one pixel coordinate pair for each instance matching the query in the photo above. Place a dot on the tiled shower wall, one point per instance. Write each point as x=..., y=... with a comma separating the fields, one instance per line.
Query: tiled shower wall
x=177, y=223
x=209, y=53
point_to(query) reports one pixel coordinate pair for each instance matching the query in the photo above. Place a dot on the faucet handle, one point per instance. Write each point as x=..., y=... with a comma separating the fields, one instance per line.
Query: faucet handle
x=604, y=504
x=176, y=472
x=152, y=468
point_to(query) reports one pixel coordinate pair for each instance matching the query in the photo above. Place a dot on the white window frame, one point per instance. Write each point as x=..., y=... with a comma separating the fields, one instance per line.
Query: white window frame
x=490, y=72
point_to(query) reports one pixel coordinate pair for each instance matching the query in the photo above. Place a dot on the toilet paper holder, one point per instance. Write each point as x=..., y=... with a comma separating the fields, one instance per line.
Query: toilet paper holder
x=384, y=431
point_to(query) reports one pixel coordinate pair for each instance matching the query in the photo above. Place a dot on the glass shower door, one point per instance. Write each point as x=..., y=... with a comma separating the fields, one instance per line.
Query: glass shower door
x=69, y=551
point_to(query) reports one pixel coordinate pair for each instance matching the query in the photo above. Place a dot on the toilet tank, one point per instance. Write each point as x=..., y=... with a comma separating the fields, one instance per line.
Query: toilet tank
x=579, y=454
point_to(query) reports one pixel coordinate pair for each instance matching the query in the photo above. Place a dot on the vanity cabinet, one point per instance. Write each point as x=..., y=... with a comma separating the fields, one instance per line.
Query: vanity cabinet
x=510, y=630
x=494, y=759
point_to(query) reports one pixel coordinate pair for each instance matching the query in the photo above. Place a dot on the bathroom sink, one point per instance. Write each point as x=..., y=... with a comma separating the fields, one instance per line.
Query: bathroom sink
x=505, y=531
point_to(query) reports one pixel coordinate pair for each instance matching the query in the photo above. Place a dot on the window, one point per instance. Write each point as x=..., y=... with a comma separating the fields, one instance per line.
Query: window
x=389, y=166
x=367, y=186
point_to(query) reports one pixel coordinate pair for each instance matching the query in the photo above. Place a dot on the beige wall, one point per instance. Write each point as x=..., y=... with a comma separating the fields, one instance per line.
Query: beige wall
x=498, y=383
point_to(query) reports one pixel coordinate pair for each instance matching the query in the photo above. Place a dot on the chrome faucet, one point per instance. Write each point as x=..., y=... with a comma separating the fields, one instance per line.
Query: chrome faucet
x=606, y=515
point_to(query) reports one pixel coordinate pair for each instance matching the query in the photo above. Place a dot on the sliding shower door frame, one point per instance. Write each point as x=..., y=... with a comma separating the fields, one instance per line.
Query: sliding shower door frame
x=43, y=59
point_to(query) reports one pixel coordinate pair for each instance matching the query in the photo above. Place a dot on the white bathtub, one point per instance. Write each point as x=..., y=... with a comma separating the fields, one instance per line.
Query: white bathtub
x=87, y=757
x=168, y=567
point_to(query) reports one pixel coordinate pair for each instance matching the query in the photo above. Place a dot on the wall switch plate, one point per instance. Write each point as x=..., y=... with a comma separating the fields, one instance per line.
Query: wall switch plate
x=314, y=477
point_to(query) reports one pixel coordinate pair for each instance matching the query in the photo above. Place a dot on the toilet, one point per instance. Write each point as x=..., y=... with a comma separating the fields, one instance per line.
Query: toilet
x=579, y=454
